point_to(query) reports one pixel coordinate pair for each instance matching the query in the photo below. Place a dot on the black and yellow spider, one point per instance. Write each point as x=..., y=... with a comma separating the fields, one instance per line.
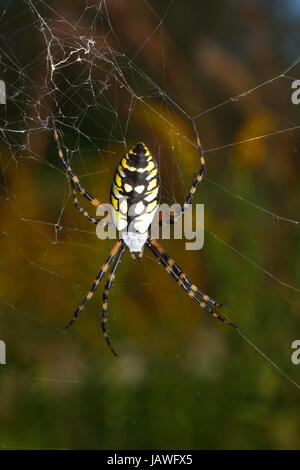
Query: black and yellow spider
x=135, y=199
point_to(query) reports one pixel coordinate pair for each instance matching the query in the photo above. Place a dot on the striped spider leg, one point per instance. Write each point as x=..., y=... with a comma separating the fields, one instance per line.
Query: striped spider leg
x=134, y=198
x=79, y=206
x=105, y=296
x=207, y=303
x=197, y=179
x=76, y=186
x=104, y=268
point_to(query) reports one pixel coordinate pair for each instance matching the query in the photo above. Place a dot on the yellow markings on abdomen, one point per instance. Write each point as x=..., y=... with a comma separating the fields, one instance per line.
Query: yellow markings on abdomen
x=118, y=180
x=135, y=190
x=114, y=202
x=152, y=184
x=152, y=206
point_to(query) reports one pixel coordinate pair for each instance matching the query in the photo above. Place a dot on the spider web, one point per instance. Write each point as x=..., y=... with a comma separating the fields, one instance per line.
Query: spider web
x=109, y=84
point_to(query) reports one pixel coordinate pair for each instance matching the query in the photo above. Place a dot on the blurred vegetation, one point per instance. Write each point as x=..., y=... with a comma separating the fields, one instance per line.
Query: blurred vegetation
x=182, y=380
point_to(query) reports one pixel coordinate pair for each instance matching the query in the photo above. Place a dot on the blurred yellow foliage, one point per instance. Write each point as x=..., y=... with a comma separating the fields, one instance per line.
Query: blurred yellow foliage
x=252, y=153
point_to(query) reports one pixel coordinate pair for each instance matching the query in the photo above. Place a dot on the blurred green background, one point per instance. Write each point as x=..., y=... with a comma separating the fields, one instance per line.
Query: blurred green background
x=114, y=73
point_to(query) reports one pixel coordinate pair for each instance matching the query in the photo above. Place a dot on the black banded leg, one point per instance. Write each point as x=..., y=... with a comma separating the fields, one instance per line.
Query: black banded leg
x=74, y=178
x=80, y=208
x=168, y=264
x=183, y=277
x=198, y=177
x=99, y=277
x=107, y=288
x=176, y=278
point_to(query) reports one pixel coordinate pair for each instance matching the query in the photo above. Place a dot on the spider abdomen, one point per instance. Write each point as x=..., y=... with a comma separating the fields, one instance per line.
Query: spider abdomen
x=135, y=191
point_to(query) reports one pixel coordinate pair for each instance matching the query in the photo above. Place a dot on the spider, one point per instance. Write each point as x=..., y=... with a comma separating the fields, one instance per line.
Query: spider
x=134, y=198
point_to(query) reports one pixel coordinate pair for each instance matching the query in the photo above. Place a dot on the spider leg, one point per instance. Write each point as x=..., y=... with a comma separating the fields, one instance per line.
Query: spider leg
x=80, y=208
x=107, y=288
x=197, y=179
x=180, y=277
x=74, y=178
x=96, y=282
x=183, y=277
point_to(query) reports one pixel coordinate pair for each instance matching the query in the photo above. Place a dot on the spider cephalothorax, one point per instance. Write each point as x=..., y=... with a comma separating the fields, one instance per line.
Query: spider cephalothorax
x=134, y=197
